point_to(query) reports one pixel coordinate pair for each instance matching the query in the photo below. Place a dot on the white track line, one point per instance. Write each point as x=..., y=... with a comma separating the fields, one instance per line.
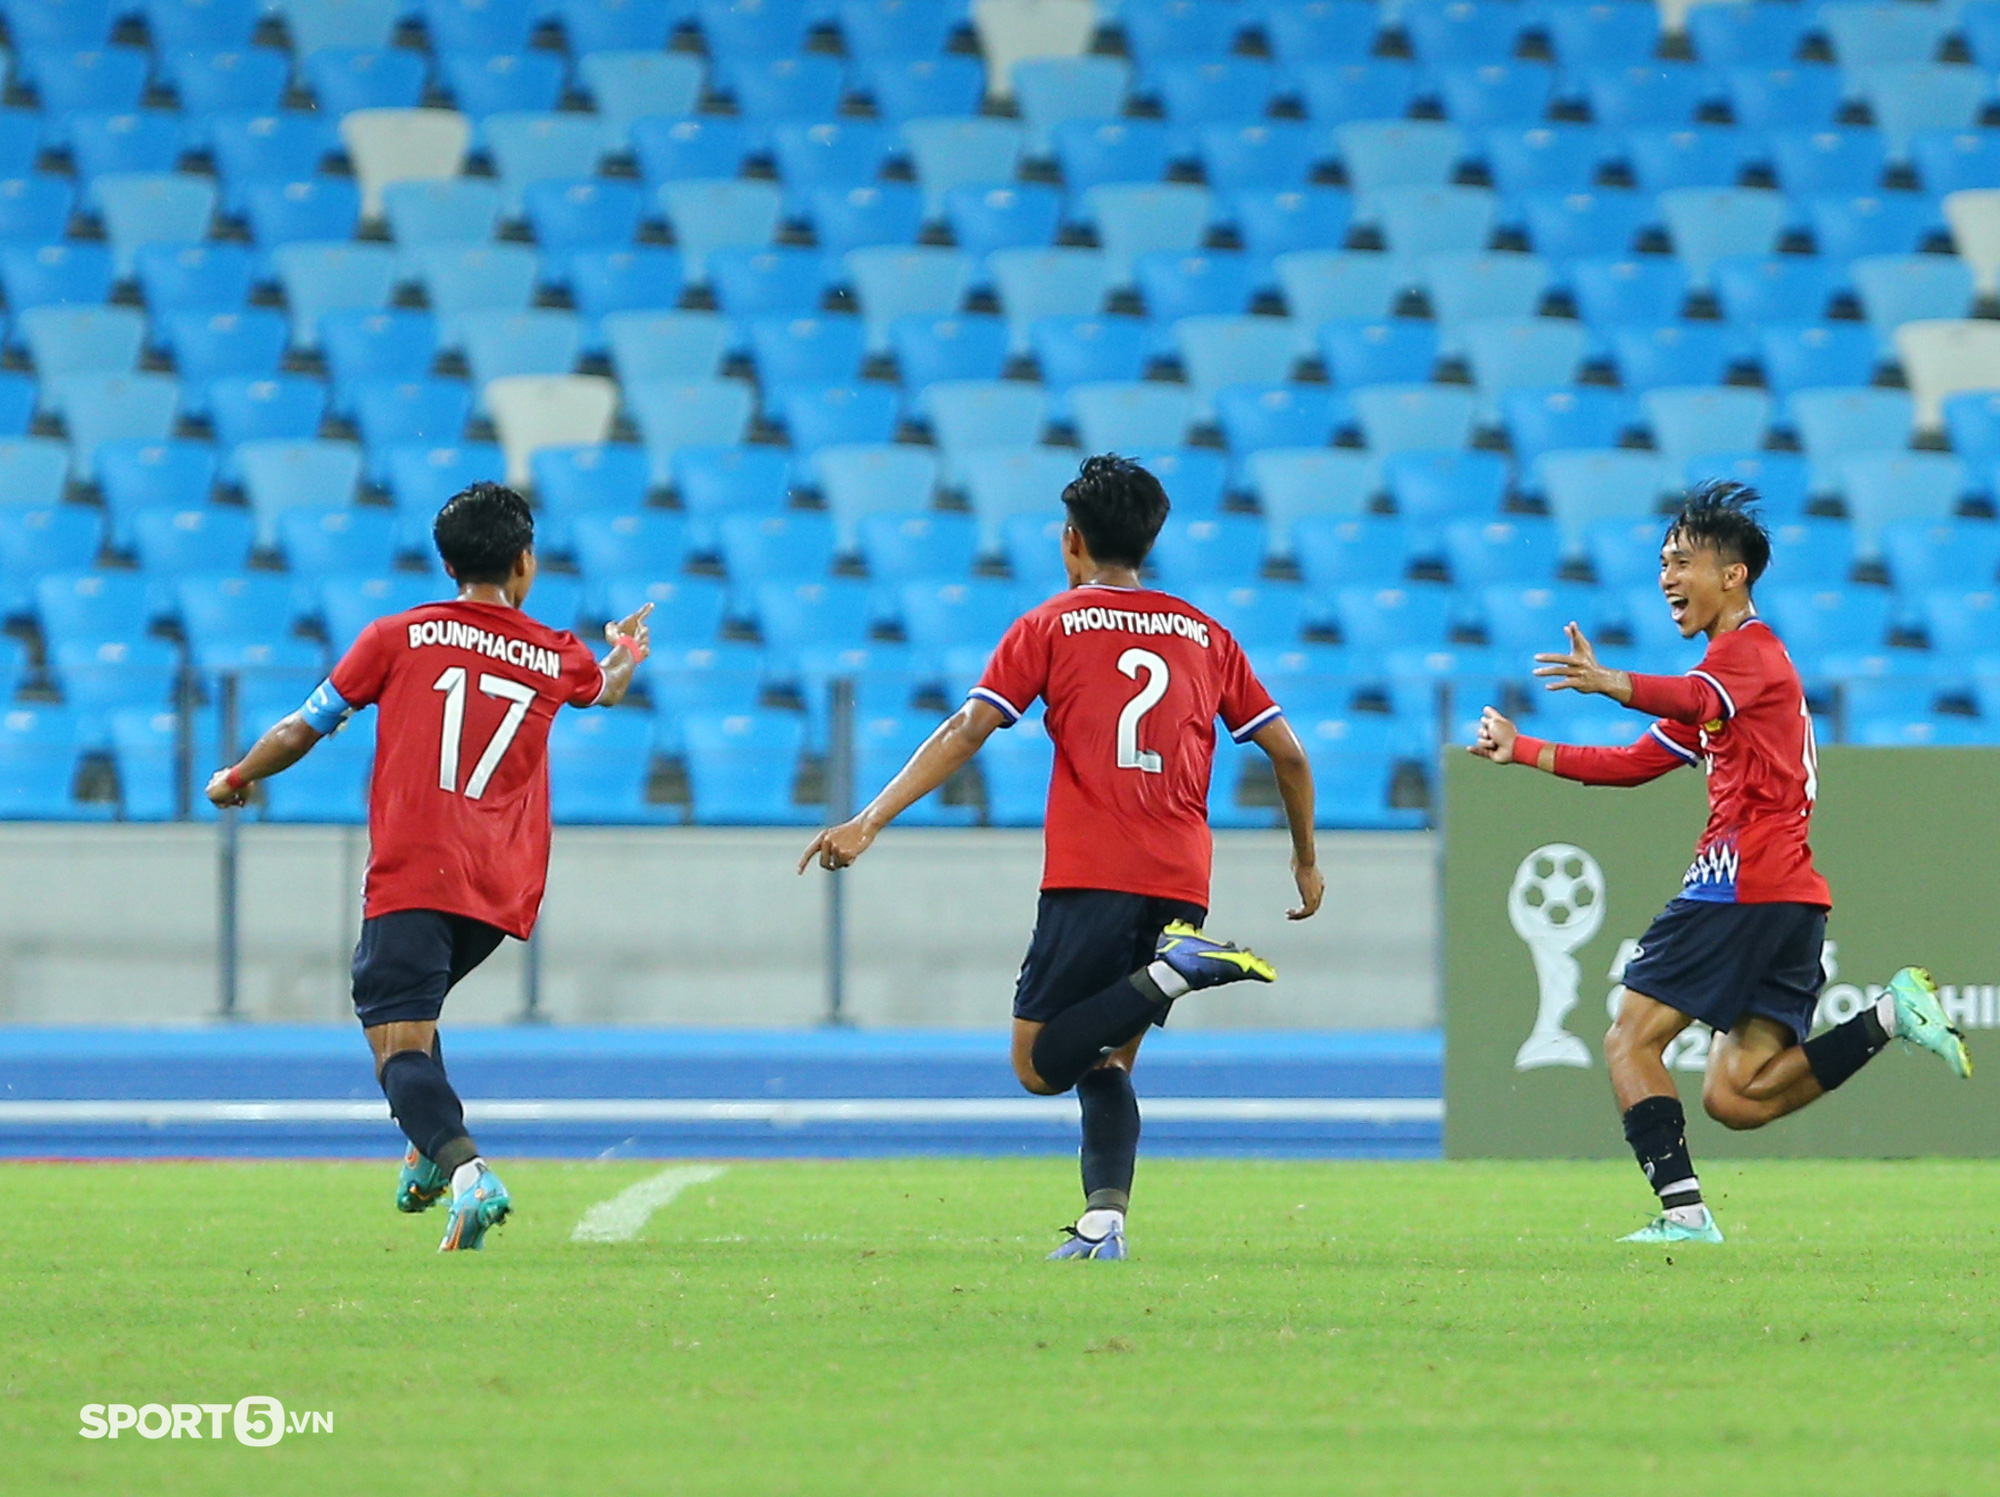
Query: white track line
x=775, y=1114
x=621, y=1218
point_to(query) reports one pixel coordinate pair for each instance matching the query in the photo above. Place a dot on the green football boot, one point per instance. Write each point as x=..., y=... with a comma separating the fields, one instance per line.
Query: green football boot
x=1920, y=1020
x=481, y=1206
x=1664, y=1229
x=421, y=1185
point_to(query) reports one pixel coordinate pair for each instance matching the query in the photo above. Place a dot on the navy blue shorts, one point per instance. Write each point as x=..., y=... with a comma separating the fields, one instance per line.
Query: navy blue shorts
x=1087, y=939
x=407, y=960
x=1719, y=963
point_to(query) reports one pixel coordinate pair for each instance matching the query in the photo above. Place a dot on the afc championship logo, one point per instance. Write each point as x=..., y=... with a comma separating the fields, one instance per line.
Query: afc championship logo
x=1556, y=905
x=256, y=1420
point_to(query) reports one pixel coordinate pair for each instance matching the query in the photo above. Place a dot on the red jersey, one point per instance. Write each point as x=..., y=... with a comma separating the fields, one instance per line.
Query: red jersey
x=1741, y=715
x=458, y=804
x=1134, y=680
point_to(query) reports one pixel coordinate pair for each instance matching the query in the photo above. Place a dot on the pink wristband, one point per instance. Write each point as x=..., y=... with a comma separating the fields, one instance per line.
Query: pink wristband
x=232, y=779
x=632, y=647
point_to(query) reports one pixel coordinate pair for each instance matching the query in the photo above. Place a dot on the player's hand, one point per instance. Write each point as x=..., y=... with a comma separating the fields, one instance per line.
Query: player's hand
x=1578, y=670
x=837, y=846
x=1496, y=738
x=635, y=625
x=223, y=794
x=1312, y=889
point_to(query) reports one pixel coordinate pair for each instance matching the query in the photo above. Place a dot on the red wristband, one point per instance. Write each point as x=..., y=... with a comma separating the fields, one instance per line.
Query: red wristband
x=632, y=647
x=232, y=779
x=1528, y=750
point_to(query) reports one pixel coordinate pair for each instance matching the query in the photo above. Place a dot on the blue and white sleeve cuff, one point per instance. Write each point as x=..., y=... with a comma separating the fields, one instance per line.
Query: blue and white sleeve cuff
x=1679, y=751
x=1249, y=730
x=1728, y=703
x=993, y=698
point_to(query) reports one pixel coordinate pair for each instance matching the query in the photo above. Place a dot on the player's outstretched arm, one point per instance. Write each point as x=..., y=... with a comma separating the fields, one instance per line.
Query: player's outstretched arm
x=1579, y=671
x=1497, y=740
x=943, y=754
x=289, y=741
x=1295, y=788
x=1636, y=764
x=631, y=642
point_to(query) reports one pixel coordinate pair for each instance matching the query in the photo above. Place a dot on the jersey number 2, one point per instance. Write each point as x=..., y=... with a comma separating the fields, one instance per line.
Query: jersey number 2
x=452, y=684
x=1130, y=755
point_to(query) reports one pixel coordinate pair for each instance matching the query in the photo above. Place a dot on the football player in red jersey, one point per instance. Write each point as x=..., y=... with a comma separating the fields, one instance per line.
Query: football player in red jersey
x=458, y=813
x=1134, y=681
x=1739, y=948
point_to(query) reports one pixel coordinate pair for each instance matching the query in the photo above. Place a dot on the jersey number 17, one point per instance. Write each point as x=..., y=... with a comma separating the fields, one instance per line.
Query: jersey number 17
x=452, y=684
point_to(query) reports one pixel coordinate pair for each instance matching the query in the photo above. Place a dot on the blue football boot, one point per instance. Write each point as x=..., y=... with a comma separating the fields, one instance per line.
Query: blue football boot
x=477, y=1209
x=1111, y=1246
x=422, y=1183
x=1208, y=963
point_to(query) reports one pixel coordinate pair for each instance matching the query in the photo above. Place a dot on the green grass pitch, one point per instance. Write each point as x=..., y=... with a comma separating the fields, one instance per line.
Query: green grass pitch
x=889, y=1327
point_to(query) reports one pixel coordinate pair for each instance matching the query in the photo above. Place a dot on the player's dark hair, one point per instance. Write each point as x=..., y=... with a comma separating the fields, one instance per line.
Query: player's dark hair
x=1117, y=507
x=481, y=530
x=1717, y=513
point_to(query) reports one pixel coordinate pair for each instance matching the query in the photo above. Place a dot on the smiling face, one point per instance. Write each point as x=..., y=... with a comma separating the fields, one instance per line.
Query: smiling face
x=1705, y=590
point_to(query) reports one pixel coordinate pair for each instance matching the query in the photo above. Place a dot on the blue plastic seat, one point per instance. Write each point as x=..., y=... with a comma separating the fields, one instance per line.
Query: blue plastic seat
x=590, y=213
x=1556, y=157
x=1165, y=29
x=208, y=346
x=1219, y=351
x=712, y=216
x=970, y=613
x=626, y=76
x=1745, y=36
x=605, y=281
x=672, y=149
x=1972, y=419
x=1463, y=288
x=950, y=153
x=240, y=80
x=1093, y=153
x=272, y=147
x=1979, y=23
x=650, y=544
x=1584, y=487
x=1506, y=555
x=670, y=346
x=968, y=414
x=1824, y=163
x=1601, y=35
x=1832, y=423
x=1380, y=154
x=1113, y=417
x=1907, y=101
x=806, y=87
x=194, y=277
x=100, y=408
x=1620, y=290
x=705, y=678
x=1070, y=351
x=107, y=143
x=1895, y=289
x=1258, y=416
x=320, y=279
x=498, y=344
x=817, y=416
x=1817, y=620
x=1195, y=478
x=69, y=82
x=1404, y=418
x=1394, y=617
x=859, y=479
x=373, y=76
x=327, y=542
x=1709, y=157
x=1326, y=285
x=1419, y=221
x=719, y=480
x=858, y=217
x=38, y=758
x=985, y=217
x=1962, y=625
x=483, y=84
x=38, y=274
x=283, y=408
x=1649, y=93
x=1337, y=92
x=1432, y=487
x=807, y=350
x=814, y=154
x=94, y=606
x=892, y=282
x=1471, y=32
x=527, y=146
x=1267, y=156
x=1332, y=551
x=17, y=404
x=1926, y=556
x=929, y=349
x=910, y=88
x=675, y=414
x=687, y=615
x=1556, y=418
x=460, y=279
x=390, y=412
x=1885, y=487
x=33, y=542
x=1674, y=353
x=314, y=24
x=222, y=610
x=281, y=475
x=133, y=476
x=1845, y=228
x=1783, y=480
x=1710, y=224
x=1495, y=94
x=1260, y=615
x=35, y=471
x=63, y=23
x=595, y=478
x=359, y=345
x=792, y=547
x=1956, y=160
x=741, y=768
x=1214, y=90
x=1272, y=223
x=1521, y=621
x=1580, y=225
x=478, y=25
x=1034, y=284
x=599, y=766
x=918, y=548
x=1798, y=356
x=319, y=210
x=1223, y=551
x=1687, y=422
x=1521, y=353
x=1376, y=351
x=118, y=676
x=1294, y=484
x=1774, y=288
x=349, y=604
x=82, y=340
x=831, y=612
x=1869, y=34
x=1006, y=483
x=897, y=28
x=753, y=28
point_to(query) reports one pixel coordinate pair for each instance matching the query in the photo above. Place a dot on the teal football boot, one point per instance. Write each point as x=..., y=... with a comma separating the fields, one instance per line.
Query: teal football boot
x=1920, y=1020
x=421, y=1185
x=1664, y=1229
x=475, y=1211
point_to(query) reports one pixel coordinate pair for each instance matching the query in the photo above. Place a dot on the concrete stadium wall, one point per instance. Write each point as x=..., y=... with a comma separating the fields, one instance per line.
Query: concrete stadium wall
x=116, y=925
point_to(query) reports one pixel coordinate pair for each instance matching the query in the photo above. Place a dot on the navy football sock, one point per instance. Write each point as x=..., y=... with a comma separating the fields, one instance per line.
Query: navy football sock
x=1656, y=1128
x=426, y=1108
x=1845, y=1048
x=1110, y=1137
x=1084, y=1033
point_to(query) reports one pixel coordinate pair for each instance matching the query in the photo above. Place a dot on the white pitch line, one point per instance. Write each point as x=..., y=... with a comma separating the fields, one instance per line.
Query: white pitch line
x=621, y=1218
x=776, y=1114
